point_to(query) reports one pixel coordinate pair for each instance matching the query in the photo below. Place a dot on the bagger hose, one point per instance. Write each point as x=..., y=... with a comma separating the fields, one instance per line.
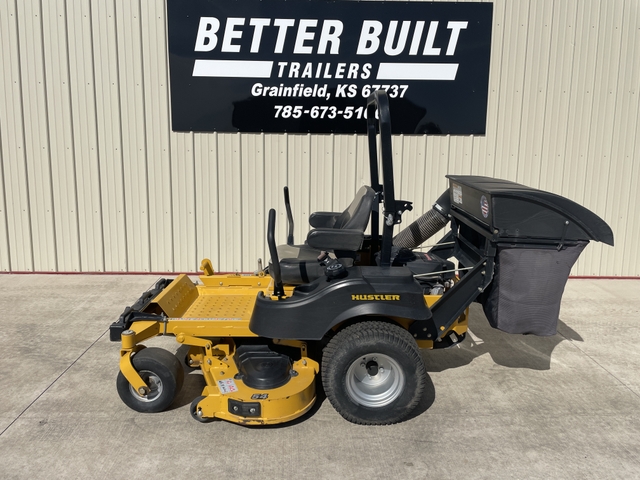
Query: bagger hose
x=426, y=226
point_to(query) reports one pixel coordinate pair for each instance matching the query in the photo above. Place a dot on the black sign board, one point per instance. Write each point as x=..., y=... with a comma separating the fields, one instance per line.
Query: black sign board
x=308, y=66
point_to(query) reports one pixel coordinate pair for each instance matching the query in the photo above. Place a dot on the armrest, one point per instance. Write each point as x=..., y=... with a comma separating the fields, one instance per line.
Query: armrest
x=323, y=219
x=335, y=239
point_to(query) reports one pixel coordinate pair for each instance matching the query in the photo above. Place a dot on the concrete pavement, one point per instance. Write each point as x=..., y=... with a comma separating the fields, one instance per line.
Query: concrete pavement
x=498, y=406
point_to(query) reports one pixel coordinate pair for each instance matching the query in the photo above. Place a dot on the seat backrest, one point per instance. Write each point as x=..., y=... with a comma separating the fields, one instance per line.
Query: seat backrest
x=356, y=216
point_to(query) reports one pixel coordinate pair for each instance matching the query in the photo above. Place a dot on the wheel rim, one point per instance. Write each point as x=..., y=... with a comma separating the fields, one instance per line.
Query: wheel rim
x=155, y=386
x=374, y=380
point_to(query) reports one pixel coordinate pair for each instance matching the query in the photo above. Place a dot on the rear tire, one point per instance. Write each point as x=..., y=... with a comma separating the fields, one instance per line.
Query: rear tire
x=373, y=373
x=161, y=371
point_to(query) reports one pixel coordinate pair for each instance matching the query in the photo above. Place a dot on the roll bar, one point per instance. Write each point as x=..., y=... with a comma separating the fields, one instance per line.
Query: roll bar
x=392, y=208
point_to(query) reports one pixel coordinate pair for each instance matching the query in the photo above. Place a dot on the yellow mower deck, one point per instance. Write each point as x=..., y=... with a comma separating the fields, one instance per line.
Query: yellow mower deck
x=205, y=317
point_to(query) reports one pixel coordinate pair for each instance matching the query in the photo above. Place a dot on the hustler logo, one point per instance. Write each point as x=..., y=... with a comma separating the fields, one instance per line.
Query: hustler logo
x=382, y=297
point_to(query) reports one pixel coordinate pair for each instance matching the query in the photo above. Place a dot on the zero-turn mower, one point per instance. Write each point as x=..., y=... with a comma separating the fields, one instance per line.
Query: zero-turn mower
x=356, y=308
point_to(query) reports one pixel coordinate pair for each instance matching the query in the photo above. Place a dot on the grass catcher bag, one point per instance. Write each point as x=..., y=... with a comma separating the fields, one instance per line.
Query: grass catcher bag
x=527, y=288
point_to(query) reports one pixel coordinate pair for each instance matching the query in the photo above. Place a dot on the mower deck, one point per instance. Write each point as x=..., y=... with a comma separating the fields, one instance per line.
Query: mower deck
x=205, y=317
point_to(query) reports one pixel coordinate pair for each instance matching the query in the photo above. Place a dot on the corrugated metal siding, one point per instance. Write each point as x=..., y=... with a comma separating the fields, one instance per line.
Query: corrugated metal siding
x=92, y=178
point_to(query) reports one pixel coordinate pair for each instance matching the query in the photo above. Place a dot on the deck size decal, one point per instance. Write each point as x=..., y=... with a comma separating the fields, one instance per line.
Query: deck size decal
x=308, y=66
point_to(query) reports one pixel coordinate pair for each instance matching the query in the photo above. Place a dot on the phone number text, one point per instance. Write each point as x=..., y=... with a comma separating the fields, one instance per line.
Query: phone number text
x=324, y=111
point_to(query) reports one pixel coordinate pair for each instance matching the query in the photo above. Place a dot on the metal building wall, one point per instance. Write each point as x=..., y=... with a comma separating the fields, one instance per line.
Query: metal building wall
x=92, y=179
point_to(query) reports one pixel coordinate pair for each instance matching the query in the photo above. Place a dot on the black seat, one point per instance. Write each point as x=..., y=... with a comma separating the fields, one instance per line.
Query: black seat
x=339, y=232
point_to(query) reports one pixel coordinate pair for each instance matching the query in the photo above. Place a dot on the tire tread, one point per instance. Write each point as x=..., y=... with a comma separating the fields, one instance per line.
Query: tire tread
x=366, y=332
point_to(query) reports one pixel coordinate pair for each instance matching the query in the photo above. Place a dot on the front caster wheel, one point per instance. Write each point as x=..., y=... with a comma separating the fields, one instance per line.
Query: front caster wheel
x=161, y=371
x=373, y=374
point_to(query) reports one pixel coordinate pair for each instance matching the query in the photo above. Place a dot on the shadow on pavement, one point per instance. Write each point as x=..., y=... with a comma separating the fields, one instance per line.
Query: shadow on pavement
x=508, y=350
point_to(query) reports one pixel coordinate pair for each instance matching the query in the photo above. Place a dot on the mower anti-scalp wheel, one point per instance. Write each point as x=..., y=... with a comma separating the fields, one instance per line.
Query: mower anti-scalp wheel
x=161, y=371
x=197, y=415
x=373, y=374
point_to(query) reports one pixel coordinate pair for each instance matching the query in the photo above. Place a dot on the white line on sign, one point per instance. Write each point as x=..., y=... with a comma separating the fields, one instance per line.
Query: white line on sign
x=232, y=68
x=417, y=71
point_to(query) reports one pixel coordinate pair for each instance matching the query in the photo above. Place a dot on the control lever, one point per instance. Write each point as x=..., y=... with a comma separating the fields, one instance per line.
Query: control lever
x=287, y=206
x=274, y=269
